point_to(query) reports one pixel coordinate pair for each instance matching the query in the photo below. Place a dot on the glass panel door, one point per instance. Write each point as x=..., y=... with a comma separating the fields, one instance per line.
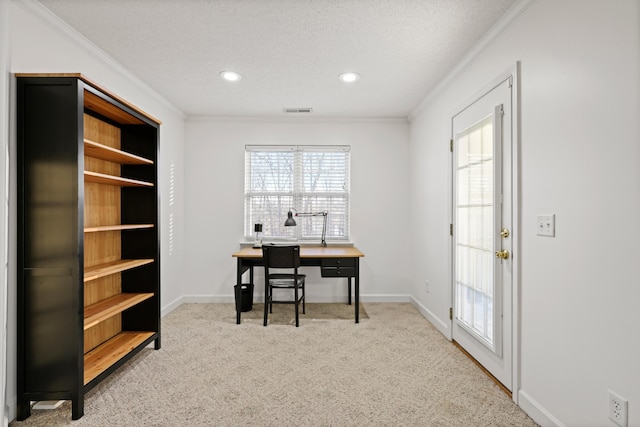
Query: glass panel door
x=474, y=270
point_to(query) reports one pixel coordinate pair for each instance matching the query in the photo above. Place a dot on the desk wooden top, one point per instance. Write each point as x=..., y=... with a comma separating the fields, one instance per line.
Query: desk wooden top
x=307, y=252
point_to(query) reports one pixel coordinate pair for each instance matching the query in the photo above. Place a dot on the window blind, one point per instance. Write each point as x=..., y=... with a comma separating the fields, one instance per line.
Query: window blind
x=304, y=179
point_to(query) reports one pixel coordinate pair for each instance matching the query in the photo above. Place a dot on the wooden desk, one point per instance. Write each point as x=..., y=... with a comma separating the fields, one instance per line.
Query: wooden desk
x=334, y=261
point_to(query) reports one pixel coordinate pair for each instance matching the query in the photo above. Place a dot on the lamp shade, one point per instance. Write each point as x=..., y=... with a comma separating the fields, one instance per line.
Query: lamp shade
x=257, y=228
x=290, y=221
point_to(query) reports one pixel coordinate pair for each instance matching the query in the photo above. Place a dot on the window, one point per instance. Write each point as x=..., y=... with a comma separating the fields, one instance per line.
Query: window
x=303, y=179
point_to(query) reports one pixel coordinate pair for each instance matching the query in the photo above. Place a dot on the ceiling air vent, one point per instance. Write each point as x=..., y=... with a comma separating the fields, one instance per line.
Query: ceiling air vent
x=297, y=110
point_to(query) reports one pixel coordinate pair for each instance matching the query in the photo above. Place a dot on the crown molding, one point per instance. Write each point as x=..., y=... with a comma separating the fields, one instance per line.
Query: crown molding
x=496, y=31
x=69, y=33
x=278, y=119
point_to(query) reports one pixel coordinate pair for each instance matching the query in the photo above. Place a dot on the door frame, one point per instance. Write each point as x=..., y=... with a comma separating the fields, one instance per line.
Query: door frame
x=513, y=73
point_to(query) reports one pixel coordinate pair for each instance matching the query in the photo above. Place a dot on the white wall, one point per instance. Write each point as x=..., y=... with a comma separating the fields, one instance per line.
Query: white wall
x=40, y=42
x=4, y=198
x=580, y=160
x=379, y=186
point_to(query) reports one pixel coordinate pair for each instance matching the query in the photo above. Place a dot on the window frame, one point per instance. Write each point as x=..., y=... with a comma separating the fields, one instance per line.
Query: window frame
x=295, y=194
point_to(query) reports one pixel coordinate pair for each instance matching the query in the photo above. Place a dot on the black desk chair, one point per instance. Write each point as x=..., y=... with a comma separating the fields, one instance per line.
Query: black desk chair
x=286, y=261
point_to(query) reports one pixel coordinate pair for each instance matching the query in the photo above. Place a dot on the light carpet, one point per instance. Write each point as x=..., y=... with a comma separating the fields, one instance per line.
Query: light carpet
x=392, y=369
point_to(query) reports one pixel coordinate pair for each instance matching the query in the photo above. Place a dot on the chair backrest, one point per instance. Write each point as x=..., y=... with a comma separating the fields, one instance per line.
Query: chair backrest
x=281, y=256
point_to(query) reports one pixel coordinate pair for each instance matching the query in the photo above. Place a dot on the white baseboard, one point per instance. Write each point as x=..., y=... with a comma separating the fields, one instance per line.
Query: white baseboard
x=441, y=325
x=536, y=411
x=372, y=298
x=170, y=307
x=208, y=299
x=11, y=408
x=230, y=299
x=198, y=299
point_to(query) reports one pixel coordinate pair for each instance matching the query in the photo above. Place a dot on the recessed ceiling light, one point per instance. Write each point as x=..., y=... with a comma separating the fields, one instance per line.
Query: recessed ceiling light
x=349, y=77
x=230, y=76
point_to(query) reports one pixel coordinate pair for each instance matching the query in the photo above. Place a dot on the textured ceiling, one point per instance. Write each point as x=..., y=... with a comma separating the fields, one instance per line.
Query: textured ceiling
x=289, y=52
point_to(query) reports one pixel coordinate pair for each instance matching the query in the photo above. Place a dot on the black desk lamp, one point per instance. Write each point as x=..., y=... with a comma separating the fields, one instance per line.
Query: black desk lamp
x=292, y=222
x=257, y=228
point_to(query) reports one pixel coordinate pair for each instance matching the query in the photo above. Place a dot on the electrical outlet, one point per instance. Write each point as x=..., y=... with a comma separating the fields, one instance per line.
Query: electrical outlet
x=618, y=409
x=426, y=286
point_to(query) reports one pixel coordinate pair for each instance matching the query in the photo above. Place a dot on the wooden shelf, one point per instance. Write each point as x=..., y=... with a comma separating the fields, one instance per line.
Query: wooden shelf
x=110, y=352
x=101, y=178
x=95, y=272
x=100, y=311
x=117, y=227
x=94, y=103
x=100, y=151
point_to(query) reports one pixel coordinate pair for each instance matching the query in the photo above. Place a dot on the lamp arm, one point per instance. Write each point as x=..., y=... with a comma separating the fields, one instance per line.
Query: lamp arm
x=324, y=223
x=324, y=229
x=311, y=213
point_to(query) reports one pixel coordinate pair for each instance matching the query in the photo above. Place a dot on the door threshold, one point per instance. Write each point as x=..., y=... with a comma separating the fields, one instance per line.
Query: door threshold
x=489, y=374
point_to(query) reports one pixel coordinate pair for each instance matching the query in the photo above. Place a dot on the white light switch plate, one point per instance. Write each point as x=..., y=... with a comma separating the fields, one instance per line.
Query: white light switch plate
x=547, y=225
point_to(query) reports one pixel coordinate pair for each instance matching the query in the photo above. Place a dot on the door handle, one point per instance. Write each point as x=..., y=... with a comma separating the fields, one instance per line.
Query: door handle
x=504, y=233
x=504, y=254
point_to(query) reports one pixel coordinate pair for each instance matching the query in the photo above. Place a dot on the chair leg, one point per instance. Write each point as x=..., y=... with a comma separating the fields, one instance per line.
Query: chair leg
x=266, y=300
x=304, y=298
x=270, y=300
x=297, y=303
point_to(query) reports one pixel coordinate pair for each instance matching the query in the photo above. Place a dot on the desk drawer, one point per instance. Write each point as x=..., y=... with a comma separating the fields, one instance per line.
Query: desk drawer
x=337, y=271
x=337, y=262
x=338, y=267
